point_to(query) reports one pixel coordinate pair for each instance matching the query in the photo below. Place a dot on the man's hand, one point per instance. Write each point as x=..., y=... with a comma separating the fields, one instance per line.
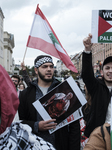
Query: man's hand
x=47, y=125
x=23, y=66
x=87, y=43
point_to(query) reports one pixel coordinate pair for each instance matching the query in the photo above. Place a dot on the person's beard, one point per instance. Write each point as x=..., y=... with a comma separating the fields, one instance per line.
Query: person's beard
x=42, y=77
x=16, y=85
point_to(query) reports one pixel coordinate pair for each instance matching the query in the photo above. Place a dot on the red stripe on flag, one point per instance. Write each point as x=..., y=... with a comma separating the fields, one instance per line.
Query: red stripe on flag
x=50, y=49
x=42, y=45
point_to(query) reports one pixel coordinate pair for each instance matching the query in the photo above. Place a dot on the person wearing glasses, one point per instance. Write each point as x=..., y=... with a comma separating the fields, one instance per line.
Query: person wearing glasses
x=16, y=80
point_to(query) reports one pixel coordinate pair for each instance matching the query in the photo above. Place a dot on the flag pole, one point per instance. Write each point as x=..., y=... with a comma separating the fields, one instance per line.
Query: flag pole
x=24, y=54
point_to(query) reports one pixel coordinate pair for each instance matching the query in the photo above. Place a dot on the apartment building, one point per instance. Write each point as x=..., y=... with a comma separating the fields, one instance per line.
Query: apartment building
x=1, y=37
x=60, y=66
x=100, y=51
x=6, y=46
x=77, y=61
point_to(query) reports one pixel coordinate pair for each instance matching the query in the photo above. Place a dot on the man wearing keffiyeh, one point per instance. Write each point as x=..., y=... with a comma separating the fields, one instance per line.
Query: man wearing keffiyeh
x=66, y=138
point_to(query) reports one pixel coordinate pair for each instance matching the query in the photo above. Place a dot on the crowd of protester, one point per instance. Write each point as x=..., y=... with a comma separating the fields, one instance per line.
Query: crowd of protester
x=19, y=116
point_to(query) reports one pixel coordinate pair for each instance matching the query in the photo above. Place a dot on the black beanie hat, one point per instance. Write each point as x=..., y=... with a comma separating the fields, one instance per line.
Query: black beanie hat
x=107, y=60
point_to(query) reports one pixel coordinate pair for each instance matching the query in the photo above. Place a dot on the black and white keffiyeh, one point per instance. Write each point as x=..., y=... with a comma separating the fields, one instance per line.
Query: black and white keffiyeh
x=19, y=137
x=43, y=60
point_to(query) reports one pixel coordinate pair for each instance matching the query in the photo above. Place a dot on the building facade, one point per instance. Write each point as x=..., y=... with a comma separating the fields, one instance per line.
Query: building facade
x=1, y=37
x=60, y=67
x=8, y=46
x=100, y=51
x=77, y=61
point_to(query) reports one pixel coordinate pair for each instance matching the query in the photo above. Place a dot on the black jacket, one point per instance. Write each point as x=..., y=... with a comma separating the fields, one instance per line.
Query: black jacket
x=26, y=110
x=99, y=92
x=66, y=138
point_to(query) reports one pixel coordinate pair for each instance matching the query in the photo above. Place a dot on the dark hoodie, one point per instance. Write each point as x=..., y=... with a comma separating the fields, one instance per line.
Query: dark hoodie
x=28, y=114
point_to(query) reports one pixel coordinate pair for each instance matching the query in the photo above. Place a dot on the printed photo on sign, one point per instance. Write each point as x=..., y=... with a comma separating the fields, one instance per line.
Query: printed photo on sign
x=75, y=116
x=101, y=26
x=61, y=102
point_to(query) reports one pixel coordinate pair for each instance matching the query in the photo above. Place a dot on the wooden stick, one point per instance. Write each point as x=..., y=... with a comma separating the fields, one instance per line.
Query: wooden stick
x=24, y=54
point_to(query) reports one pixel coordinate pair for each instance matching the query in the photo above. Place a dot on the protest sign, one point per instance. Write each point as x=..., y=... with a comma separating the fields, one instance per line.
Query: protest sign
x=75, y=116
x=101, y=26
x=61, y=102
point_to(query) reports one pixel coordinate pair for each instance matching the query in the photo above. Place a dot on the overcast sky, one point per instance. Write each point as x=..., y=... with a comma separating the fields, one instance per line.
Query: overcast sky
x=70, y=19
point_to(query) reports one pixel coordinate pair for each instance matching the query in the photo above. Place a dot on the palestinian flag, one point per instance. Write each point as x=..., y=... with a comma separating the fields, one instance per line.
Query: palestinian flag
x=102, y=26
x=43, y=37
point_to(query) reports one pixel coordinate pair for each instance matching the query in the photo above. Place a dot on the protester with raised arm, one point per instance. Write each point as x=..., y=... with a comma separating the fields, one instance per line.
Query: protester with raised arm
x=100, y=111
x=25, y=75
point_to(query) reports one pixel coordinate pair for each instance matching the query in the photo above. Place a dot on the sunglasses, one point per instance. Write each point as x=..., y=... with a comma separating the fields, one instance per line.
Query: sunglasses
x=15, y=81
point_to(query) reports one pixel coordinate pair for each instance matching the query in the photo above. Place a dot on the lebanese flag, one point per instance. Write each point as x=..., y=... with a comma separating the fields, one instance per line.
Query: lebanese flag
x=43, y=37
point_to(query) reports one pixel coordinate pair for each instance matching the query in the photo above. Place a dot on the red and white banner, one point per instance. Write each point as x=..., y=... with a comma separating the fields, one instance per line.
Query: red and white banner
x=43, y=37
